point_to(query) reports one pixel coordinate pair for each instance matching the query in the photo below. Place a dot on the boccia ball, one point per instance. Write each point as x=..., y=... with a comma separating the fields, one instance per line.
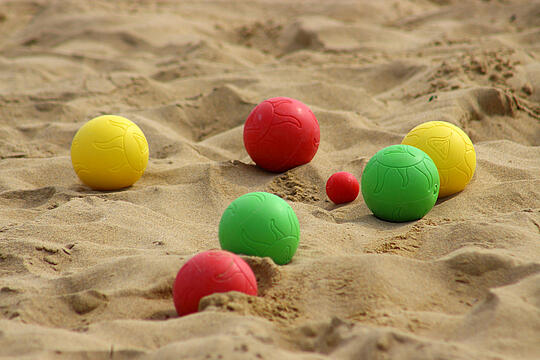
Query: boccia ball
x=210, y=272
x=281, y=133
x=109, y=152
x=342, y=187
x=400, y=183
x=451, y=150
x=260, y=224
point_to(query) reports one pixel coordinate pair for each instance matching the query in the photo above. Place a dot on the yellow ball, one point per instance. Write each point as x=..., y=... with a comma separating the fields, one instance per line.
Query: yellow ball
x=109, y=153
x=451, y=150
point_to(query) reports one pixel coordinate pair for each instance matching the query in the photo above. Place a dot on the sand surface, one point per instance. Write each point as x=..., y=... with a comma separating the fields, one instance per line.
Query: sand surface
x=88, y=275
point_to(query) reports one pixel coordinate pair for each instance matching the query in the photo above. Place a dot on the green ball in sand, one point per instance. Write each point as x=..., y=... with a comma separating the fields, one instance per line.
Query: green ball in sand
x=260, y=224
x=400, y=183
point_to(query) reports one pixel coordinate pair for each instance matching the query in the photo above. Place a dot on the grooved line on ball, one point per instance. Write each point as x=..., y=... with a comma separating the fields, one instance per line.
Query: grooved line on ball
x=404, y=166
x=124, y=127
x=396, y=213
x=408, y=149
x=246, y=239
x=404, y=176
x=431, y=125
x=138, y=140
x=426, y=173
x=233, y=208
x=295, y=122
x=285, y=254
x=443, y=177
x=117, y=168
x=410, y=137
x=380, y=178
x=294, y=224
x=104, y=145
x=196, y=266
x=259, y=197
x=252, y=128
x=79, y=167
x=277, y=233
x=462, y=171
x=246, y=276
x=395, y=150
x=278, y=102
x=471, y=171
x=443, y=152
x=226, y=274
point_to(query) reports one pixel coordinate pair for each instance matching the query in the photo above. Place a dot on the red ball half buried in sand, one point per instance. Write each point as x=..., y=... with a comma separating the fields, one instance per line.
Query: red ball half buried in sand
x=342, y=187
x=281, y=133
x=210, y=272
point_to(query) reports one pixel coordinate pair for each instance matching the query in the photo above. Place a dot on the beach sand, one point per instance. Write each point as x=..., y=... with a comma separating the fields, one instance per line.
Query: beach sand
x=88, y=275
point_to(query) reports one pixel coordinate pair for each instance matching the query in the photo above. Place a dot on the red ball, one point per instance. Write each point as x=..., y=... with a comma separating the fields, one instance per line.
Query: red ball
x=342, y=187
x=281, y=133
x=210, y=272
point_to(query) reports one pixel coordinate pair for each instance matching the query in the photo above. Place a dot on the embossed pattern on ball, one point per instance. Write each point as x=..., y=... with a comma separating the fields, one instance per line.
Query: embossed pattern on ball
x=109, y=152
x=260, y=224
x=451, y=150
x=400, y=183
x=210, y=272
x=281, y=133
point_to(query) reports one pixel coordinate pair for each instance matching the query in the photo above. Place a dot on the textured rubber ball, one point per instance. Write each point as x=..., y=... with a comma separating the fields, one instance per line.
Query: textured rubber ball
x=400, y=183
x=109, y=153
x=281, y=133
x=210, y=272
x=260, y=224
x=450, y=149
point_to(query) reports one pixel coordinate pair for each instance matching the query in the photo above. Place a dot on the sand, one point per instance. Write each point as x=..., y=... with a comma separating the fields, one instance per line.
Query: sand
x=88, y=275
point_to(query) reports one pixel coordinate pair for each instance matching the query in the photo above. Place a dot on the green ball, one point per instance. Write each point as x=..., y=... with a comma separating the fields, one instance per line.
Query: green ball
x=400, y=183
x=260, y=224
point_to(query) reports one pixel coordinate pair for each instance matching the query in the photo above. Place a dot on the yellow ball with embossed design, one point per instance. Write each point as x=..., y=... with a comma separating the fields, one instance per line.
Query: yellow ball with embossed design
x=450, y=149
x=109, y=152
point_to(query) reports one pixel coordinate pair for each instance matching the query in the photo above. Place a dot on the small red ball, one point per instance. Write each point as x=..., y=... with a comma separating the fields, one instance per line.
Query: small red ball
x=281, y=133
x=342, y=187
x=210, y=272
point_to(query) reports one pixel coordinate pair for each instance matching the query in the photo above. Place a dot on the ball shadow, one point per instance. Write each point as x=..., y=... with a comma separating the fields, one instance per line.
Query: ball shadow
x=375, y=223
x=446, y=198
x=83, y=189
